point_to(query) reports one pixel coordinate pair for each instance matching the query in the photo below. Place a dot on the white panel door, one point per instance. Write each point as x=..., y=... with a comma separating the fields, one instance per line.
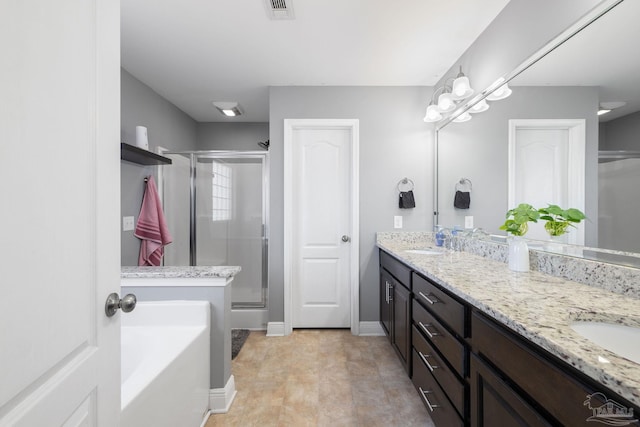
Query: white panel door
x=321, y=217
x=546, y=166
x=59, y=183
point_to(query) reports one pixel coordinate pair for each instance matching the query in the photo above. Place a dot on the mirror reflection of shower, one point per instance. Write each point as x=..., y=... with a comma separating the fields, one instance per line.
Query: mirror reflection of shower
x=216, y=201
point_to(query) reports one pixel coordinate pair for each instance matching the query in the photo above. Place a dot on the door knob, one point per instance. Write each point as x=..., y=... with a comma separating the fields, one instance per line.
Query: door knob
x=127, y=304
x=345, y=238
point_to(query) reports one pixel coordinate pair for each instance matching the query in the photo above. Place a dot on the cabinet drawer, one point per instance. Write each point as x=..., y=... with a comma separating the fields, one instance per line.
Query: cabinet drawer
x=452, y=386
x=450, y=311
x=396, y=268
x=440, y=409
x=545, y=383
x=495, y=403
x=445, y=342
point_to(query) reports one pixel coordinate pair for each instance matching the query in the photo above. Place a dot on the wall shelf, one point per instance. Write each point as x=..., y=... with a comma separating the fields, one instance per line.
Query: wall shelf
x=134, y=154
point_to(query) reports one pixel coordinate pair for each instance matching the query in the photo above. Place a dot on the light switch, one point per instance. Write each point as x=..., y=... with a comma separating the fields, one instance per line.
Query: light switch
x=127, y=223
x=397, y=221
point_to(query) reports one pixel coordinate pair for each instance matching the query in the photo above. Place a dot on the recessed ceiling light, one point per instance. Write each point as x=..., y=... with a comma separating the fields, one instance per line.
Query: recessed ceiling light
x=612, y=105
x=229, y=109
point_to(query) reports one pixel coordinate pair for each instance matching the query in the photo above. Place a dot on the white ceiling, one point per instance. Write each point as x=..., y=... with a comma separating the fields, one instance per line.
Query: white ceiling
x=193, y=52
x=604, y=55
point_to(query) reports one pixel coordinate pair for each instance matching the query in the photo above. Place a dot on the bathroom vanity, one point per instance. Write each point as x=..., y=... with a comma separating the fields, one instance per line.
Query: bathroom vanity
x=488, y=346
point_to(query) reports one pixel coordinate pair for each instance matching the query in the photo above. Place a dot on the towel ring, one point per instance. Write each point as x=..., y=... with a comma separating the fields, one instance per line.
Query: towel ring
x=463, y=182
x=405, y=181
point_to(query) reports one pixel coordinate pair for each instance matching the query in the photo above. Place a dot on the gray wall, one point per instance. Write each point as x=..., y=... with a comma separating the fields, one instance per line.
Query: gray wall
x=523, y=27
x=394, y=143
x=621, y=134
x=167, y=127
x=478, y=150
x=232, y=136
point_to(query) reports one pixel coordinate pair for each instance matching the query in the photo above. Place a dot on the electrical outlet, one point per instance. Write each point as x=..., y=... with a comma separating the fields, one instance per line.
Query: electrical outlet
x=127, y=223
x=468, y=222
x=397, y=221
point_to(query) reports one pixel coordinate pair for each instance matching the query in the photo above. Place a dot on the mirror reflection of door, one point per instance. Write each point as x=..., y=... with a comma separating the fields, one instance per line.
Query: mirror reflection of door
x=546, y=166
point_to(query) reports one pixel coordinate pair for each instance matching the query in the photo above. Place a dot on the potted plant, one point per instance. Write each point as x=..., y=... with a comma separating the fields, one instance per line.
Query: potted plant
x=518, y=217
x=558, y=220
x=516, y=224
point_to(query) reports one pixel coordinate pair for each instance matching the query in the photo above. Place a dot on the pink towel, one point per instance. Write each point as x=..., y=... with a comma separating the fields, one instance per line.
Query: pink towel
x=152, y=227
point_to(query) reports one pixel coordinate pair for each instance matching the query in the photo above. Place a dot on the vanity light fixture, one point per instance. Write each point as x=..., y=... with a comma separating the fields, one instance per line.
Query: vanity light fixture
x=449, y=96
x=464, y=117
x=461, y=88
x=501, y=93
x=479, y=107
x=603, y=111
x=433, y=114
x=229, y=109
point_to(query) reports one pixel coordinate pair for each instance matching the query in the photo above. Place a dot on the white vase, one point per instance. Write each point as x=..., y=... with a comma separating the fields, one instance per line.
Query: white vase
x=518, y=254
x=142, y=141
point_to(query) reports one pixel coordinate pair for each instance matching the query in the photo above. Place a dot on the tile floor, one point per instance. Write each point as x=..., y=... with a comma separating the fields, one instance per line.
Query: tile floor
x=321, y=378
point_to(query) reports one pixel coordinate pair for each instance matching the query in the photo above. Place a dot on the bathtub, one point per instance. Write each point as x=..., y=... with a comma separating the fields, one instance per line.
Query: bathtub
x=165, y=364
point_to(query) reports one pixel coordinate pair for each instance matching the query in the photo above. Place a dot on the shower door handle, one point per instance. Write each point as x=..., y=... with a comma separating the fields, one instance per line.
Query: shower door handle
x=346, y=238
x=127, y=304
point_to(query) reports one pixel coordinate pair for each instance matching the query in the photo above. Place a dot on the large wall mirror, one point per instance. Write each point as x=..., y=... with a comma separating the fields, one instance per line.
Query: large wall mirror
x=564, y=90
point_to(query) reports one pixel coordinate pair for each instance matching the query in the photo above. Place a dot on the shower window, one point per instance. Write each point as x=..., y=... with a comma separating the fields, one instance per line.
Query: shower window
x=221, y=189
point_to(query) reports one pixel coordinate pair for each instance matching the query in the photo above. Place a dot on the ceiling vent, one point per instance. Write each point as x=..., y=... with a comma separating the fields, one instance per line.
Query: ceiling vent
x=279, y=9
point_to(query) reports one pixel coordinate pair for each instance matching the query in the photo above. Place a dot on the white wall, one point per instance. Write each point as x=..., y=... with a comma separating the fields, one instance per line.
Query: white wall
x=394, y=143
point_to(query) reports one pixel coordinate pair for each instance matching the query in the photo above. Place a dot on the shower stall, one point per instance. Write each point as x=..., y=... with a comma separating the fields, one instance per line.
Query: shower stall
x=216, y=206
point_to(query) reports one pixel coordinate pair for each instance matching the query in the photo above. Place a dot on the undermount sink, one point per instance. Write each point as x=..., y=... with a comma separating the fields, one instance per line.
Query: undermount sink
x=619, y=339
x=424, y=251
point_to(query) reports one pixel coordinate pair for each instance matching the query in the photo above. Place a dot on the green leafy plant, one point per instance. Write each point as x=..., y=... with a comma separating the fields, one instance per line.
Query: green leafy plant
x=518, y=217
x=558, y=219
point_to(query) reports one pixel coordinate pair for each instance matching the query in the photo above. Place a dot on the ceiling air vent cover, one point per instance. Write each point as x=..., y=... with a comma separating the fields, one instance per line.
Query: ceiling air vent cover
x=279, y=9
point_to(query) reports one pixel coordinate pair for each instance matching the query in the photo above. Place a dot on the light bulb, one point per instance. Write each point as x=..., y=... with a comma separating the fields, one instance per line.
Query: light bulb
x=461, y=88
x=432, y=115
x=501, y=93
x=479, y=107
x=464, y=117
x=446, y=103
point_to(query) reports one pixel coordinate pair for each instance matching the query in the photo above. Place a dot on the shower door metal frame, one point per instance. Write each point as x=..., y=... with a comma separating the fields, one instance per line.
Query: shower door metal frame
x=230, y=154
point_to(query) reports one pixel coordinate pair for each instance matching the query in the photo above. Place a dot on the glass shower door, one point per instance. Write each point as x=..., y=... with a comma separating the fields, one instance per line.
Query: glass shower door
x=230, y=206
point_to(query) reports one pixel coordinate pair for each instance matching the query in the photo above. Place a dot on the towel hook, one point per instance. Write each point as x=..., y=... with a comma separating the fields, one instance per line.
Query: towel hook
x=405, y=181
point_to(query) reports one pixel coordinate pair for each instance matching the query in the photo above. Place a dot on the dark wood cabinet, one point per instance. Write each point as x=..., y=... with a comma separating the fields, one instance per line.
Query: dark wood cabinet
x=495, y=403
x=439, y=326
x=471, y=370
x=385, y=301
x=556, y=390
x=401, y=324
x=395, y=306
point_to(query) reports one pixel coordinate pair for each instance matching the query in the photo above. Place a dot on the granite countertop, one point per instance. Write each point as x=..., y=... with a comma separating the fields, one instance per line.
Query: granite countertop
x=199, y=272
x=538, y=306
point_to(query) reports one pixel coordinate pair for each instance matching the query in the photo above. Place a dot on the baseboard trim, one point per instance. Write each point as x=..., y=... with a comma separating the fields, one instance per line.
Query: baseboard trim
x=220, y=399
x=275, y=329
x=371, y=329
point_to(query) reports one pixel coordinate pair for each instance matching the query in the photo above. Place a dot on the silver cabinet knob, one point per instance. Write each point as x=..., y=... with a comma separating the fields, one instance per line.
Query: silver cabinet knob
x=127, y=304
x=345, y=238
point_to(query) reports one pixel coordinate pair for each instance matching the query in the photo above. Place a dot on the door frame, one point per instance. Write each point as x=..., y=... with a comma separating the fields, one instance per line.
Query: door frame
x=354, y=269
x=576, y=156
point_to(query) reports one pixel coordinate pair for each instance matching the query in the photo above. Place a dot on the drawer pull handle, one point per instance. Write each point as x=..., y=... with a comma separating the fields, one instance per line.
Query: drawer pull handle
x=387, y=290
x=424, y=393
x=426, y=362
x=431, y=300
x=424, y=328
